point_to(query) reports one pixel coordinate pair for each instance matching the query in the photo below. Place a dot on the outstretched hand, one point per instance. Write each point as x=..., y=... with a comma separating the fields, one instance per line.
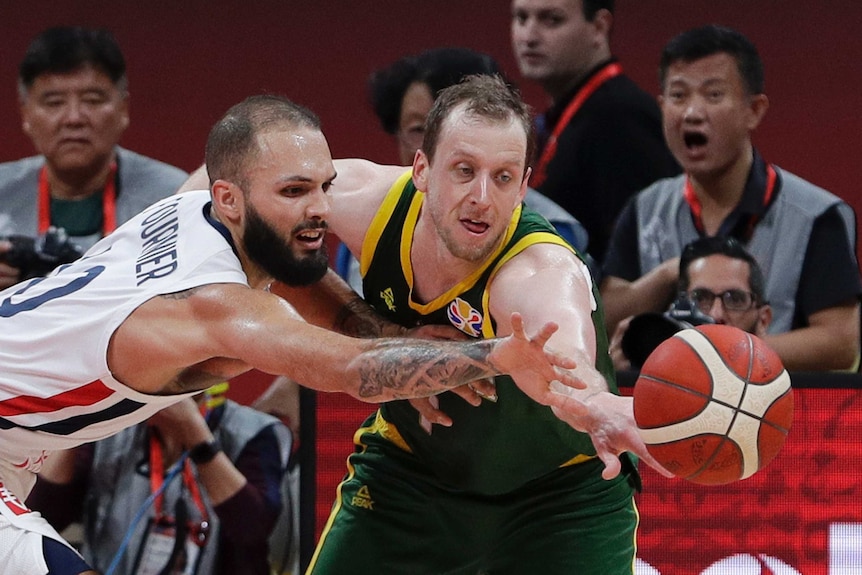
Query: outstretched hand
x=473, y=393
x=532, y=365
x=609, y=420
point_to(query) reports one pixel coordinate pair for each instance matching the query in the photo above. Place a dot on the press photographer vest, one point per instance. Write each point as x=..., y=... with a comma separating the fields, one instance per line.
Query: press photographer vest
x=778, y=242
x=141, y=181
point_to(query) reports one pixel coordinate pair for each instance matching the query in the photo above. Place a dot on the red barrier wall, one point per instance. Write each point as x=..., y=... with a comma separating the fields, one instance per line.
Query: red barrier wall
x=785, y=519
x=800, y=515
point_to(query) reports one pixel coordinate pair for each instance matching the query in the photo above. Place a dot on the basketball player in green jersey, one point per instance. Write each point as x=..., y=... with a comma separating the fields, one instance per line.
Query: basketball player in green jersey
x=508, y=486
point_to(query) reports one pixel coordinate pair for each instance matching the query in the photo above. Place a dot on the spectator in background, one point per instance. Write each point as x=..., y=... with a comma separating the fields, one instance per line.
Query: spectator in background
x=74, y=102
x=719, y=281
x=803, y=237
x=222, y=505
x=402, y=95
x=600, y=141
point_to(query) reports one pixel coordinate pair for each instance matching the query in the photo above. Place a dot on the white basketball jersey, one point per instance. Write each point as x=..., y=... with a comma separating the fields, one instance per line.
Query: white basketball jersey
x=56, y=390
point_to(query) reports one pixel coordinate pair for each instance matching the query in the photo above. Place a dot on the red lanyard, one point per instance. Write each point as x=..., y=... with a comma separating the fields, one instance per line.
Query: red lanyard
x=157, y=478
x=606, y=73
x=697, y=209
x=109, y=201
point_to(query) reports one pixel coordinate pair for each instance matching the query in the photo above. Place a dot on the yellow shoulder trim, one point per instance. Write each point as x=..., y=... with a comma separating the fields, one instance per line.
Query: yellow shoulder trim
x=468, y=282
x=381, y=218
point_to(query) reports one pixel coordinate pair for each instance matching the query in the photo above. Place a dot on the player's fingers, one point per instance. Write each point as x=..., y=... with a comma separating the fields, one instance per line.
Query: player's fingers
x=612, y=464
x=473, y=393
x=484, y=388
x=467, y=394
x=559, y=361
x=544, y=334
x=566, y=377
x=564, y=406
x=564, y=402
x=653, y=462
x=428, y=409
x=517, y=322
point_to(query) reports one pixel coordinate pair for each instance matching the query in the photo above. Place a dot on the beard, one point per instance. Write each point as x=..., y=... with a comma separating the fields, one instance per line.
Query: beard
x=276, y=256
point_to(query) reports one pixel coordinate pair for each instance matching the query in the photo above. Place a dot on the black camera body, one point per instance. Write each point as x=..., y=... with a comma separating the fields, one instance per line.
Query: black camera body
x=648, y=330
x=37, y=257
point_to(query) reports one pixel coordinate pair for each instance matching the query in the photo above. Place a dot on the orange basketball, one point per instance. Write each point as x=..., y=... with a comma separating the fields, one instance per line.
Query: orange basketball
x=713, y=404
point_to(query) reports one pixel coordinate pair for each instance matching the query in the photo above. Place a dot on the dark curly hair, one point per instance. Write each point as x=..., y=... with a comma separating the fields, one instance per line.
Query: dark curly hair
x=438, y=68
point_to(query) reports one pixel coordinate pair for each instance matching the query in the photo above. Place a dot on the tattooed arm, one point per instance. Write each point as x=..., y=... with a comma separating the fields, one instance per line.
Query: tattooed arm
x=225, y=329
x=418, y=368
x=332, y=304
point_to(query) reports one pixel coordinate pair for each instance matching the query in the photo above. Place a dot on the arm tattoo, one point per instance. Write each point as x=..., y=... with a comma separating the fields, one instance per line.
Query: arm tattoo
x=358, y=319
x=422, y=368
x=185, y=294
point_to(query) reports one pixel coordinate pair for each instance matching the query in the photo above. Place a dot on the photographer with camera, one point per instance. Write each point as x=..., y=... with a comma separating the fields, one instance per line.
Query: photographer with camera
x=73, y=96
x=719, y=282
x=804, y=238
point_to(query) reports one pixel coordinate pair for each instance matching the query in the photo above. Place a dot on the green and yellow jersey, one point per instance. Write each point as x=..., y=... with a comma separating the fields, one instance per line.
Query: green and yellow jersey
x=495, y=447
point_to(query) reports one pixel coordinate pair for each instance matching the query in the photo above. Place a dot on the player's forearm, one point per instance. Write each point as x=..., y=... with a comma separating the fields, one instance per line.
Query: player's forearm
x=358, y=319
x=332, y=304
x=403, y=369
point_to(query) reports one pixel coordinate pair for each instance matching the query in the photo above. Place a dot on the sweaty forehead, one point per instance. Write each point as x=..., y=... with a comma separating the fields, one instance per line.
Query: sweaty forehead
x=300, y=151
x=293, y=143
x=462, y=122
x=464, y=133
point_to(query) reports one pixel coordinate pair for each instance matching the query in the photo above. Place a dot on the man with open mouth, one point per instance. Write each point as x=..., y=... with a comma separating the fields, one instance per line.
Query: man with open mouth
x=803, y=237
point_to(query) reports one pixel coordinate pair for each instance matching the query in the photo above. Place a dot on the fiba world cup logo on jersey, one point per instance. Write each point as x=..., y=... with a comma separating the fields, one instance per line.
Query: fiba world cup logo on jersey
x=465, y=317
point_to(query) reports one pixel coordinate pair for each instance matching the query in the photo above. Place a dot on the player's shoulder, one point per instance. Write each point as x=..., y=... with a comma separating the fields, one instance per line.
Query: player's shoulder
x=354, y=174
x=540, y=257
x=217, y=296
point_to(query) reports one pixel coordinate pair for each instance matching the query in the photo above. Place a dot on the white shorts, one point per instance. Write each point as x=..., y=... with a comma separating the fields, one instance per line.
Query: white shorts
x=21, y=530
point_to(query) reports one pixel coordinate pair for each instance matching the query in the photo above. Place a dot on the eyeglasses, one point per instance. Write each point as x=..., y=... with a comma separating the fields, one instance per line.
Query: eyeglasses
x=732, y=299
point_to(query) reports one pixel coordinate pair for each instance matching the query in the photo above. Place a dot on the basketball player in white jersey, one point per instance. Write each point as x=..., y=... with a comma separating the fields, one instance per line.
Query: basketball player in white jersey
x=176, y=300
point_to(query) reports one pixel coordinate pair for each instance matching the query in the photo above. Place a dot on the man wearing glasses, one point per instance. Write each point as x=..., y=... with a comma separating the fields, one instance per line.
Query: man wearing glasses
x=722, y=280
x=717, y=278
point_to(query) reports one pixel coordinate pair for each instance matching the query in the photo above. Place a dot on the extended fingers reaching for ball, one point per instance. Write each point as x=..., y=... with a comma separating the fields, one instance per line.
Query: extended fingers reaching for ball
x=609, y=421
x=533, y=366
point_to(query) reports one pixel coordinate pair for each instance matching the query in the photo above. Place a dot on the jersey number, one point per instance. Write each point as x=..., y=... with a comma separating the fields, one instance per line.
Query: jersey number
x=8, y=309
